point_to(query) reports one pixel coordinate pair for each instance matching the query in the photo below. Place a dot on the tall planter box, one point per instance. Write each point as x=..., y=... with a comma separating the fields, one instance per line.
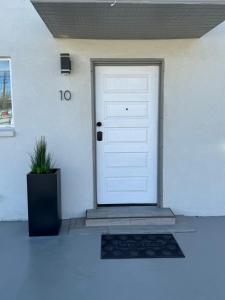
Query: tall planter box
x=44, y=203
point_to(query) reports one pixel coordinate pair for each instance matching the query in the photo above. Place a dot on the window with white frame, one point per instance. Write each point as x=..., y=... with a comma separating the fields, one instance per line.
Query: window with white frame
x=6, y=117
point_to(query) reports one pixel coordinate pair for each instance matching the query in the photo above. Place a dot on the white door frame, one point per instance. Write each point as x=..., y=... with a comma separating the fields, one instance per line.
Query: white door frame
x=130, y=62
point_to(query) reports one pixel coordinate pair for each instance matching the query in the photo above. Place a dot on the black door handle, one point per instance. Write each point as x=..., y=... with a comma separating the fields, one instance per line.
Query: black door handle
x=99, y=124
x=99, y=136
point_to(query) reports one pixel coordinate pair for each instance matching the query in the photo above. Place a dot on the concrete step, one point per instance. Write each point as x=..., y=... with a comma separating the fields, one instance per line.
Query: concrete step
x=129, y=215
x=128, y=211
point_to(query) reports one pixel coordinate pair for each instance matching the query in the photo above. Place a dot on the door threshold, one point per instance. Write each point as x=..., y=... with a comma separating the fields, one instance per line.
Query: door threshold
x=126, y=205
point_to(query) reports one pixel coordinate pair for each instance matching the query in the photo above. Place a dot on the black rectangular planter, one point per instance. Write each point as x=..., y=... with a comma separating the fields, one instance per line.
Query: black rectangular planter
x=44, y=203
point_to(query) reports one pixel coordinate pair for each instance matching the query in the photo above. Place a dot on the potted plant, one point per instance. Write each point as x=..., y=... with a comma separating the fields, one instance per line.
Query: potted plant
x=44, y=193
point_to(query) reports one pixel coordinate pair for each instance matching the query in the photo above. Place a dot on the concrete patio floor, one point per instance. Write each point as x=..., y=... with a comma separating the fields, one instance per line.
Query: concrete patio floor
x=69, y=266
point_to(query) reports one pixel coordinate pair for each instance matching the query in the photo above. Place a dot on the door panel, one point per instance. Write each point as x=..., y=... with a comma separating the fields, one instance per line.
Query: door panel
x=128, y=160
x=125, y=83
x=126, y=135
x=126, y=184
x=127, y=107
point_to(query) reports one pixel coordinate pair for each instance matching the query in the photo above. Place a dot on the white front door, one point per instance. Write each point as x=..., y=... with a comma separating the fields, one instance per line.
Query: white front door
x=127, y=108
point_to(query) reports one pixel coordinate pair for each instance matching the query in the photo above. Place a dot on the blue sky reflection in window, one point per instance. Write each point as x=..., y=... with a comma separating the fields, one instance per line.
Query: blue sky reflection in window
x=5, y=93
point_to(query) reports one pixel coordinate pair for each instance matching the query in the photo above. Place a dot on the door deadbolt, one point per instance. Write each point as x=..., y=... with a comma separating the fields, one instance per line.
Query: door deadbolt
x=99, y=136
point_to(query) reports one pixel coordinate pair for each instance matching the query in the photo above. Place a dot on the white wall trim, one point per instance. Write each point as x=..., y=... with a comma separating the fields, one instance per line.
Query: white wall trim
x=7, y=132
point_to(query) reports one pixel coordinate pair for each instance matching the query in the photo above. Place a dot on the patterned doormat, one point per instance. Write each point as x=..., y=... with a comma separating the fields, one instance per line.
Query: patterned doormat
x=115, y=246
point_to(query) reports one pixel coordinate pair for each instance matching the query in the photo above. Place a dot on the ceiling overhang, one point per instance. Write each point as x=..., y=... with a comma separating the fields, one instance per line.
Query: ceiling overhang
x=123, y=19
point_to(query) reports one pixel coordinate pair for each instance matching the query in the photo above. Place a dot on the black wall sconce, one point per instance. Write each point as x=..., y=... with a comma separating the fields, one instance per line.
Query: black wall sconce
x=65, y=63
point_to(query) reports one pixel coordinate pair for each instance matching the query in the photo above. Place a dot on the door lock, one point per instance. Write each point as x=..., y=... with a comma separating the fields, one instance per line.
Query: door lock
x=99, y=136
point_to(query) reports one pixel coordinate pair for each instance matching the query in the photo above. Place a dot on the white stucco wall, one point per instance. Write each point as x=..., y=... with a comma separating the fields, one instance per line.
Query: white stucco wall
x=194, y=113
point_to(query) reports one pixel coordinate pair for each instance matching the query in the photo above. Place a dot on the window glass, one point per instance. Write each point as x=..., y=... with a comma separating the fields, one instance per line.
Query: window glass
x=5, y=93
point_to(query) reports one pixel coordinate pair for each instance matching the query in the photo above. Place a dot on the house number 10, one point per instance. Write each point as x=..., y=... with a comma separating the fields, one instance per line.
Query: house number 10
x=65, y=95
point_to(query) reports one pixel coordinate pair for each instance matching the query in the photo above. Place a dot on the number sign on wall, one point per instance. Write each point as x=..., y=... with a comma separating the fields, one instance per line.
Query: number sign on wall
x=65, y=95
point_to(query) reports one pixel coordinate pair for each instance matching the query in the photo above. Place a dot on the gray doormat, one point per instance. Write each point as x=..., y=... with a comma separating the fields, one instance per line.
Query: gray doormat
x=117, y=246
